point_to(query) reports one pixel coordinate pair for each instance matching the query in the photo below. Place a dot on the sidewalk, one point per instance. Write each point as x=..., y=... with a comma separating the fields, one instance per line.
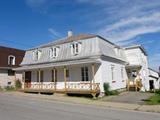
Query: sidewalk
x=87, y=101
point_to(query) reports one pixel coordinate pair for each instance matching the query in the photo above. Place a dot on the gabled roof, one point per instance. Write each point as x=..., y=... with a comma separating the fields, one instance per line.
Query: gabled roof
x=137, y=46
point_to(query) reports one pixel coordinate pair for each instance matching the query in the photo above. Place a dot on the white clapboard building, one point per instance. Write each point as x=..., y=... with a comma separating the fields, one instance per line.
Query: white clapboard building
x=82, y=64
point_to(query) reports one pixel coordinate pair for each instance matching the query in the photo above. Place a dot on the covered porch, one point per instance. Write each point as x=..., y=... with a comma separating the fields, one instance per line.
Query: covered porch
x=77, y=77
x=134, y=79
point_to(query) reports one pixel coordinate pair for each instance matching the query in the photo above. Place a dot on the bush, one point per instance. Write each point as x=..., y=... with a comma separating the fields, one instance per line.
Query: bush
x=18, y=84
x=9, y=88
x=108, y=91
x=1, y=88
x=158, y=91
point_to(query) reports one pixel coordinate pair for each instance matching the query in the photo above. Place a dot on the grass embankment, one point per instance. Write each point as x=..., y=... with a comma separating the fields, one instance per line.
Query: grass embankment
x=155, y=99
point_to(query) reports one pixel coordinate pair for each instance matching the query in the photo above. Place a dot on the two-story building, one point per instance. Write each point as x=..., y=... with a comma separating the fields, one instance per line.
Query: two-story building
x=75, y=64
x=82, y=64
x=10, y=58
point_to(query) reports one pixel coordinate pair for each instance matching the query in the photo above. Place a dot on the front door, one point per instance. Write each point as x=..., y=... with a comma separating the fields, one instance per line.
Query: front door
x=151, y=85
x=28, y=79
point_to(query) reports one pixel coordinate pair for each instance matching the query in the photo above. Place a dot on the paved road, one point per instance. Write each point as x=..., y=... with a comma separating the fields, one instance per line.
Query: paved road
x=23, y=108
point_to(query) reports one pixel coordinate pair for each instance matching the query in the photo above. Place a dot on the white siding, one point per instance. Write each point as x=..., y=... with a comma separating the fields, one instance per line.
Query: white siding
x=107, y=76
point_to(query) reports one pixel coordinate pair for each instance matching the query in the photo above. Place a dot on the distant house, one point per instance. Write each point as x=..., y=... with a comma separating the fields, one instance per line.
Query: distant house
x=10, y=58
x=82, y=64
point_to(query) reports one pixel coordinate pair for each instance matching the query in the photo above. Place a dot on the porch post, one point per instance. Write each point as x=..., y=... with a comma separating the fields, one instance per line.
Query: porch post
x=93, y=73
x=23, y=78
x=54, y=76
x=39, y=77
x=65, y=79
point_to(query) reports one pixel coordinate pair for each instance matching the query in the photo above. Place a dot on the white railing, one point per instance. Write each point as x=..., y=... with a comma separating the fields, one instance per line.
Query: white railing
x=36, y=85
x=82, y=86
x=69, y=86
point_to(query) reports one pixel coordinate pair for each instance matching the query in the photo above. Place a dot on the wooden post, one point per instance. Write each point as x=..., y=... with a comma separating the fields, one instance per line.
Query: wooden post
x=23, y=77
x=65, y=79
x=93, y=74
x=54, y=75
x=39, y=74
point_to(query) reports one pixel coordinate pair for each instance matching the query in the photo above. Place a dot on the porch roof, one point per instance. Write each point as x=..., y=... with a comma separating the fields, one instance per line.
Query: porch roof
x=58, y=64
x=133, y=66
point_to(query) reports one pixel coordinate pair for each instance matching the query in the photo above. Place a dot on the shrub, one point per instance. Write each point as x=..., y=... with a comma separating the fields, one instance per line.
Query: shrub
x=9, y=88
x=1, y=88
x=108, y=91
x=18, y=84
x=158, y=91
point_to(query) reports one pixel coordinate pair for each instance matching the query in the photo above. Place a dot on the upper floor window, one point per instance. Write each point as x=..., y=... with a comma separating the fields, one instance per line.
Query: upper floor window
x=53, y=52
x=37, y=54
x=11, y=60
x=75, y=48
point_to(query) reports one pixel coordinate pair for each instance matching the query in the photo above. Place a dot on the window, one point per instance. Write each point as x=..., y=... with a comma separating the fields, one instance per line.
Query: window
x=54, y=77
x=11, y=60
x=37, y=54
x=75, y=48
x=122, y=72
x=67, y=73
x=41, y=76
x=11, y=73
x=112, y=72
x=84, y=74
x=53, y=52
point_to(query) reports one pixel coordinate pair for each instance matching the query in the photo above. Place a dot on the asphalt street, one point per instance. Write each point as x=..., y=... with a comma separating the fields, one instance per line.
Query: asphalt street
x=25, y=108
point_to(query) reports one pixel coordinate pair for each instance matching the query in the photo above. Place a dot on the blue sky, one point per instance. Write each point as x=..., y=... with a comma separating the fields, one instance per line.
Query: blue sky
x=28, y=23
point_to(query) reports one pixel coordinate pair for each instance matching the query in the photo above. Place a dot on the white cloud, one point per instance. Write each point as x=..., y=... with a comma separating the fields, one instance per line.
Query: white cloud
x=131, y=20
x=54, y=33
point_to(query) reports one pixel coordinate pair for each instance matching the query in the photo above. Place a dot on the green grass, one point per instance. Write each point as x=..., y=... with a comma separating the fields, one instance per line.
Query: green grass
x=154, y=100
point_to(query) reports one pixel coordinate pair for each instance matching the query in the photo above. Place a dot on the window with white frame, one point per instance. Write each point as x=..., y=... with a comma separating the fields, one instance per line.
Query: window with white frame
x=112, y=72
x=11, y=60
x=75, y=48
x=53, y=52
x=37, y=54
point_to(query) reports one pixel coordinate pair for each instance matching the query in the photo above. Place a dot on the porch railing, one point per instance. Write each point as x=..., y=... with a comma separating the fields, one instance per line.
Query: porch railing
x=69, y=86
x=83, y=86
x=39, y=86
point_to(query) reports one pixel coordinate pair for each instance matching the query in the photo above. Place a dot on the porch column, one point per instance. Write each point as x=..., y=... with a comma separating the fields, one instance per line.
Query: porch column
x=93, y=73
x=65, y=79
x=39, y=77
x=54, y=78
x=23, y=78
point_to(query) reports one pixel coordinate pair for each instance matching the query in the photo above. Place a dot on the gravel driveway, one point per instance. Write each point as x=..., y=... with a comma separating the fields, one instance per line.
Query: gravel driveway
x=130, y=97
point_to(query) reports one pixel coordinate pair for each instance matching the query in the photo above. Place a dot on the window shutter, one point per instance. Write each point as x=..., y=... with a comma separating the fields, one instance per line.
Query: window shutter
x=34, y=55
x=57, y=51
x=50, y=53
x=72, y=49
x=39, y=54
x=79, y=47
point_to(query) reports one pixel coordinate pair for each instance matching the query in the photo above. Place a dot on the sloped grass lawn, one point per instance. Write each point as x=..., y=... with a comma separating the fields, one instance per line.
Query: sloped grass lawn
x=154, y=100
